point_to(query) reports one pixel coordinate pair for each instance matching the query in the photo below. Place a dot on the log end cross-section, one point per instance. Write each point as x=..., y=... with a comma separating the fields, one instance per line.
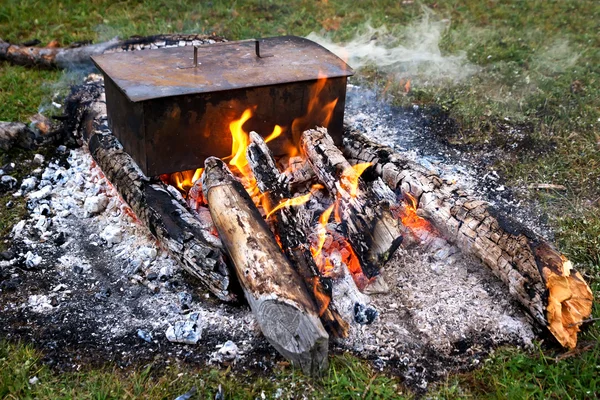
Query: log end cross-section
x=569, y=297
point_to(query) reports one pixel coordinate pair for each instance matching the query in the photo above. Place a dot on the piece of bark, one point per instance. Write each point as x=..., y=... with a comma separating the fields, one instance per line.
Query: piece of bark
x=277, y=296
x=274, y=187
x=373, y=236
x=536, y=274
x=16, y=134
x=79, y=56
x=196, y=250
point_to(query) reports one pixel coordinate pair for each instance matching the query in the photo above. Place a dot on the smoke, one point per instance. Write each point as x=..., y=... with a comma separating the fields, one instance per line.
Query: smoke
x=413, y=53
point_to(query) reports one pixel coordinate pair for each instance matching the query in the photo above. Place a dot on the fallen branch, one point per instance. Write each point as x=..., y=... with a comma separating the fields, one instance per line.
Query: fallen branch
x=79, y=56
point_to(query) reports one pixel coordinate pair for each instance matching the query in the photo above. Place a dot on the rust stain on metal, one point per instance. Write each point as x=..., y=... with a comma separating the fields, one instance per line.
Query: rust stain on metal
x=171, y=116
x=145, y=75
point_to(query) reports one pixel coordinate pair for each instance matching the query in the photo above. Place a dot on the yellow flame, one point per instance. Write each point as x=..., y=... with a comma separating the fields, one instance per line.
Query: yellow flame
x=323, y=219
x=197, y=175
x=240, y=141
x=294, y=201
x=275, y=134
x=351, y=177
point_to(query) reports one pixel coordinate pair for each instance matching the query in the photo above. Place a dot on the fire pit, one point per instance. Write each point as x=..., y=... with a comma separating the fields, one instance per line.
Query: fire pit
x=354, y=244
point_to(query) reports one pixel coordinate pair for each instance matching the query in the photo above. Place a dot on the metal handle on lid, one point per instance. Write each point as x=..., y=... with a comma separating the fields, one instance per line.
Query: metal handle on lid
x=256, y=50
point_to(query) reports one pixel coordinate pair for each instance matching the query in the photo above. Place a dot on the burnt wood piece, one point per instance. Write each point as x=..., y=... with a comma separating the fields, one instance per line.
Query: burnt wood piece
x=274, y=186
x=277, y=296
x=196, y=250
x=537, y=275
x=79, y=56
x=16, y=134
x=373, y=235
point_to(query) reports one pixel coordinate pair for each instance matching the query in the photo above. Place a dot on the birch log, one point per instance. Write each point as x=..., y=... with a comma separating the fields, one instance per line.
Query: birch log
x=537, y=275
x=277, y=296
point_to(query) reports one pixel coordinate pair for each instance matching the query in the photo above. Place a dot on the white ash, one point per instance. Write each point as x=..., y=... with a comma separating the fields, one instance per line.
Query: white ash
x=95, y=204
x=439, y=306
x=88, y=256
x=28, y=184
x=187, y=331
x=8, y=182
x=32, y=260
x=227, y=353
x=40, y=303
x=38, y=159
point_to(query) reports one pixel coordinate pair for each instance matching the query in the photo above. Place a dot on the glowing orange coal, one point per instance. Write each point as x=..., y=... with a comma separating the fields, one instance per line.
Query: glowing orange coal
x=409, y=217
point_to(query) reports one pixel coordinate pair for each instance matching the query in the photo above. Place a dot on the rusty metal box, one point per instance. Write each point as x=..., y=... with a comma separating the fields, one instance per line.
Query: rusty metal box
x=171, y=108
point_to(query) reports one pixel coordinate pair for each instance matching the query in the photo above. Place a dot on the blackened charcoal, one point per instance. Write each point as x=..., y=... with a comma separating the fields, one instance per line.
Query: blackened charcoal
x=364, y=315
x=60, y=239
x=10, y=285
x=152, y=276
x=7, y=255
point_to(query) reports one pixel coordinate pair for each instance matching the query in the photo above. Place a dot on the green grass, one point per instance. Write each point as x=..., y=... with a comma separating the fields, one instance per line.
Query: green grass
x=347, y=377
x=539, y=69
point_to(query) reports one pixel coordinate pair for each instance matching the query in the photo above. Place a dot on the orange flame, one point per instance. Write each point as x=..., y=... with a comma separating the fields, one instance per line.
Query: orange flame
x=350, y=177
x=322, y=299
x=183, y=180
x=316, y=113
x=409, y=216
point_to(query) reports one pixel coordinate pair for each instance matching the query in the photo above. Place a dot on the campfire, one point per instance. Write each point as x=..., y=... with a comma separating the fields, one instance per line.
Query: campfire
x=252, y=180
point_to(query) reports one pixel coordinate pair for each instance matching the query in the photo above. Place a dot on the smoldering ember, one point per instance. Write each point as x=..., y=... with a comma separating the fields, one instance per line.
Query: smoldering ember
x=211, y=201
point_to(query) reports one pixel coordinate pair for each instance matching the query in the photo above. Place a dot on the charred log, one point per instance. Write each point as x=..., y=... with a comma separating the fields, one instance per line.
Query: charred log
x=537, y=275
x=196, y=250
x=16, y=134
x=79, y=56
x=373, y=235
x=276, y=293
x=293, y=240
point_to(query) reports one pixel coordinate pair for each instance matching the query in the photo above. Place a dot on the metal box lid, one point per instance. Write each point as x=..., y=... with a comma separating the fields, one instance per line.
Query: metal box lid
x=153, y=74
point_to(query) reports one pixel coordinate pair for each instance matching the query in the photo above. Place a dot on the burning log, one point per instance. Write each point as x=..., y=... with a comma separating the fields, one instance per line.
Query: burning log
x=16, y=133
x=372, y=233
x=537, y=275
x=79, y=55
x=285, y=312
x=291, y=235
x=197, y=251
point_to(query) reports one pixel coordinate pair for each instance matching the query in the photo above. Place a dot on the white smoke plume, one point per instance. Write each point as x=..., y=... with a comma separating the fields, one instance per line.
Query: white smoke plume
x=414, y=53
